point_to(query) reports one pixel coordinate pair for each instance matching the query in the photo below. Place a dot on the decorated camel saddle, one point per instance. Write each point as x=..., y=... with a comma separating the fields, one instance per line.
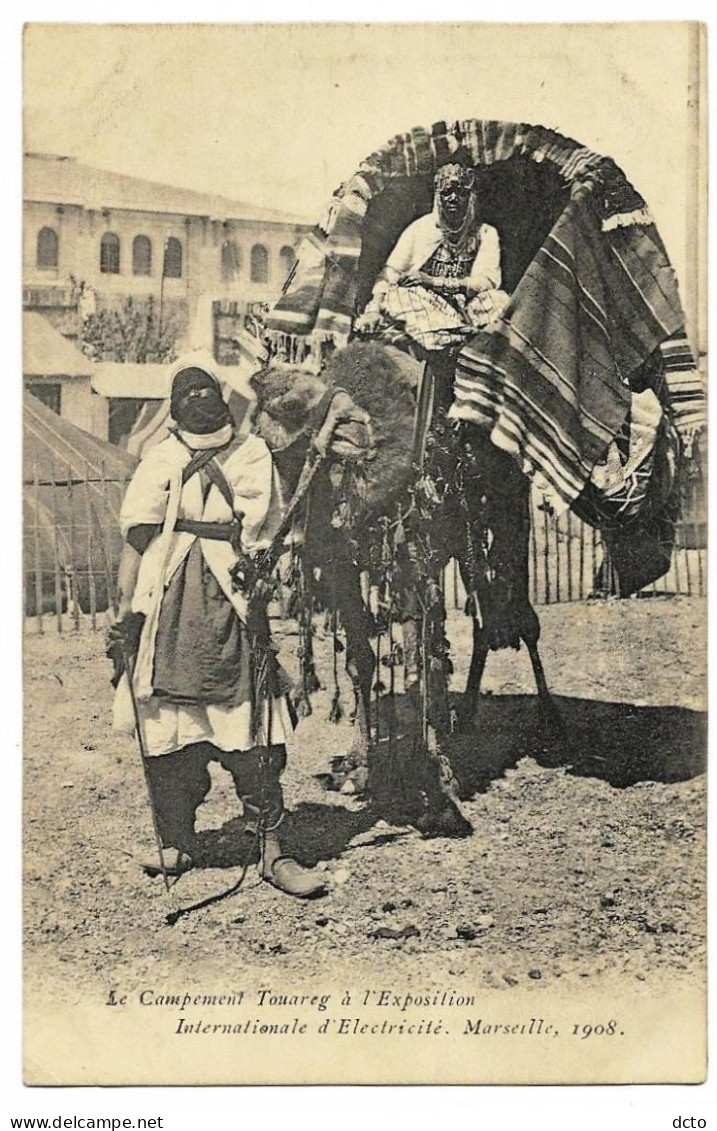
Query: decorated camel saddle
x=529, y=269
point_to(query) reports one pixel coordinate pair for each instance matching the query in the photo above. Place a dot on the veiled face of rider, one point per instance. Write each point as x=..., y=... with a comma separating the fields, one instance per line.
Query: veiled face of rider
x=454, y=190
x=454, y=200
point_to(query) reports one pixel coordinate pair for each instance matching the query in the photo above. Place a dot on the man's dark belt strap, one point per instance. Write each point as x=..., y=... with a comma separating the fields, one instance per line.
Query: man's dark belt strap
x=216, y=531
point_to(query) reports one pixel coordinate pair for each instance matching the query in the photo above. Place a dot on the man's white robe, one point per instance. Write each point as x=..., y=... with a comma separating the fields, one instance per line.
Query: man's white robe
x=156, y=495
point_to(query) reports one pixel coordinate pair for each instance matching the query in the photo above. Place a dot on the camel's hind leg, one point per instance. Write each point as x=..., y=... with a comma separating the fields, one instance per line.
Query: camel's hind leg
x=550, y=716
x=471, y=695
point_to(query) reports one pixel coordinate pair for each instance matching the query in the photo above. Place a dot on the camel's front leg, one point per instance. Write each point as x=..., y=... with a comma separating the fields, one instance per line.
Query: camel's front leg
x=360, y=667
x=427, y=688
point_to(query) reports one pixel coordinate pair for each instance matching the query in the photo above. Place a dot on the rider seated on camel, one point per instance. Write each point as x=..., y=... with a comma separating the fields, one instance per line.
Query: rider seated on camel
x=442, y=280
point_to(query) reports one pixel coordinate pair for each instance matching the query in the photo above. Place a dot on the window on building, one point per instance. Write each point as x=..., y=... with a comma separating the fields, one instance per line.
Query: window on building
x=49, y=392
x=231, y=261
x=259, y=264
x=173, y=258
x=110, y=254
x=141, y=255
x=48, y=248
x=287, y=259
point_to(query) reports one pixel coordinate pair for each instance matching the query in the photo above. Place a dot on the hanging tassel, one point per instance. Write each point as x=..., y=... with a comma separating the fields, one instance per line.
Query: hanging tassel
x=337, y=712
x=303, y=706
x=311, y=681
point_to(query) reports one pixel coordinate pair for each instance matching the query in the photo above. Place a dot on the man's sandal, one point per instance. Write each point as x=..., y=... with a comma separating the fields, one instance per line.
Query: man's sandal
x=289, y=877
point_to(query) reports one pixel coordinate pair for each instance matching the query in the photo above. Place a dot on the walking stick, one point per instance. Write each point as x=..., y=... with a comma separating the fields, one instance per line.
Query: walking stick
x=129, y=668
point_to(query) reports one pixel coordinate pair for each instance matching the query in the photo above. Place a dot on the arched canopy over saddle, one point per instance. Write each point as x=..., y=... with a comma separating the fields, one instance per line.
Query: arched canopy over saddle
x=594, y=315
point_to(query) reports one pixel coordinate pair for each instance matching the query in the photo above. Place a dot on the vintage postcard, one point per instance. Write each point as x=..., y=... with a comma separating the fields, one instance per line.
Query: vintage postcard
x=364, y=567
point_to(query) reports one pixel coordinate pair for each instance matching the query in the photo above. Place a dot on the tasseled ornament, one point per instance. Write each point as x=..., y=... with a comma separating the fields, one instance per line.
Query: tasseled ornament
x=311, y=680
x=337, y=712
x=341, y=516
x=381, y=619
x=360, y=485
x=302, y=705
x=434, y=597
x=394, y=658
x=353, y=548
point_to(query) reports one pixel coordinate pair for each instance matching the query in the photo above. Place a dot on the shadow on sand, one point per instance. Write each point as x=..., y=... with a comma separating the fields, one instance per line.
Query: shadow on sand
x=311, y=832
x=617, y=743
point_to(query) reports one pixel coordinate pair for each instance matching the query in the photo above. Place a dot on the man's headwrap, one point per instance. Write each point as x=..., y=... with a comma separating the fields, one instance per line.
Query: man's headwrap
x=197, y=405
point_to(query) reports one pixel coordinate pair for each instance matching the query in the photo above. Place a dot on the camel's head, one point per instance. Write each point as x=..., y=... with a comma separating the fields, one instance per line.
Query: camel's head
x=378, y=380
x=285, y=396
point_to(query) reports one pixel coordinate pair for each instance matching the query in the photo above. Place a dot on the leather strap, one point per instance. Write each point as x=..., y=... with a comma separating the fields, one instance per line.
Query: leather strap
x=320, y=411
x=206, y=461
x=216, y=531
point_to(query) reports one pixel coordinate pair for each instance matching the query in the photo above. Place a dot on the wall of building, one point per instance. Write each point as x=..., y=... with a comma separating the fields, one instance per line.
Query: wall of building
x=78, y=403
x=83, y=408
x=57, y=304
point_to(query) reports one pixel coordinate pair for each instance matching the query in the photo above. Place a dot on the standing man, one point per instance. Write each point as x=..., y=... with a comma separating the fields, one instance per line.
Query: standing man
x=206, y=679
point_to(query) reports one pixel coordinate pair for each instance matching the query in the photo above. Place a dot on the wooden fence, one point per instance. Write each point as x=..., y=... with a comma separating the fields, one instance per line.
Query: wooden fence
x=72, y=545
x=568, y=561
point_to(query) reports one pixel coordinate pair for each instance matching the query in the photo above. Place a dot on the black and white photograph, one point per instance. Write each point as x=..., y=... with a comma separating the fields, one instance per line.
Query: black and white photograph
x=364, y=553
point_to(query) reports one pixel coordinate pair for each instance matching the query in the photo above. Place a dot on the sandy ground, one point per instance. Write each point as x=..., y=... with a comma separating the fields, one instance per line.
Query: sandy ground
x=586, y=866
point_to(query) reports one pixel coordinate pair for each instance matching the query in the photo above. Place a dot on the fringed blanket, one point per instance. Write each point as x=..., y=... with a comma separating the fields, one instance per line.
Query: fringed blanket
x=550, y=379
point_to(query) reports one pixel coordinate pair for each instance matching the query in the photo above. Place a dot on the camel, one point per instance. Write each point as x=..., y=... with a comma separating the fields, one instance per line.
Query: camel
x=539, y=350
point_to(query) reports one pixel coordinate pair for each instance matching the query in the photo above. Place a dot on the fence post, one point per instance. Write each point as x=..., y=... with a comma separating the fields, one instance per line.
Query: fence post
x=546, y=556
x=36, y=555
x=107, y=545
x=570, y=555
x=687, y=563
x=73, y=556
x=556, y=528
x=675, y=558
x=534, y=551
x=55, y=548
x=90, y=567
x=700, y=568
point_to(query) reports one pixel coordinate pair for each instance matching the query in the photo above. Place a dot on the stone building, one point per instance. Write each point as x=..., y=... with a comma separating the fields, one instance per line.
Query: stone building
x=93, y=239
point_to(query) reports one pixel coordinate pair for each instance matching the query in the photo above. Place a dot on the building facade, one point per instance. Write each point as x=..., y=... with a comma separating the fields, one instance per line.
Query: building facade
x=93, y=239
